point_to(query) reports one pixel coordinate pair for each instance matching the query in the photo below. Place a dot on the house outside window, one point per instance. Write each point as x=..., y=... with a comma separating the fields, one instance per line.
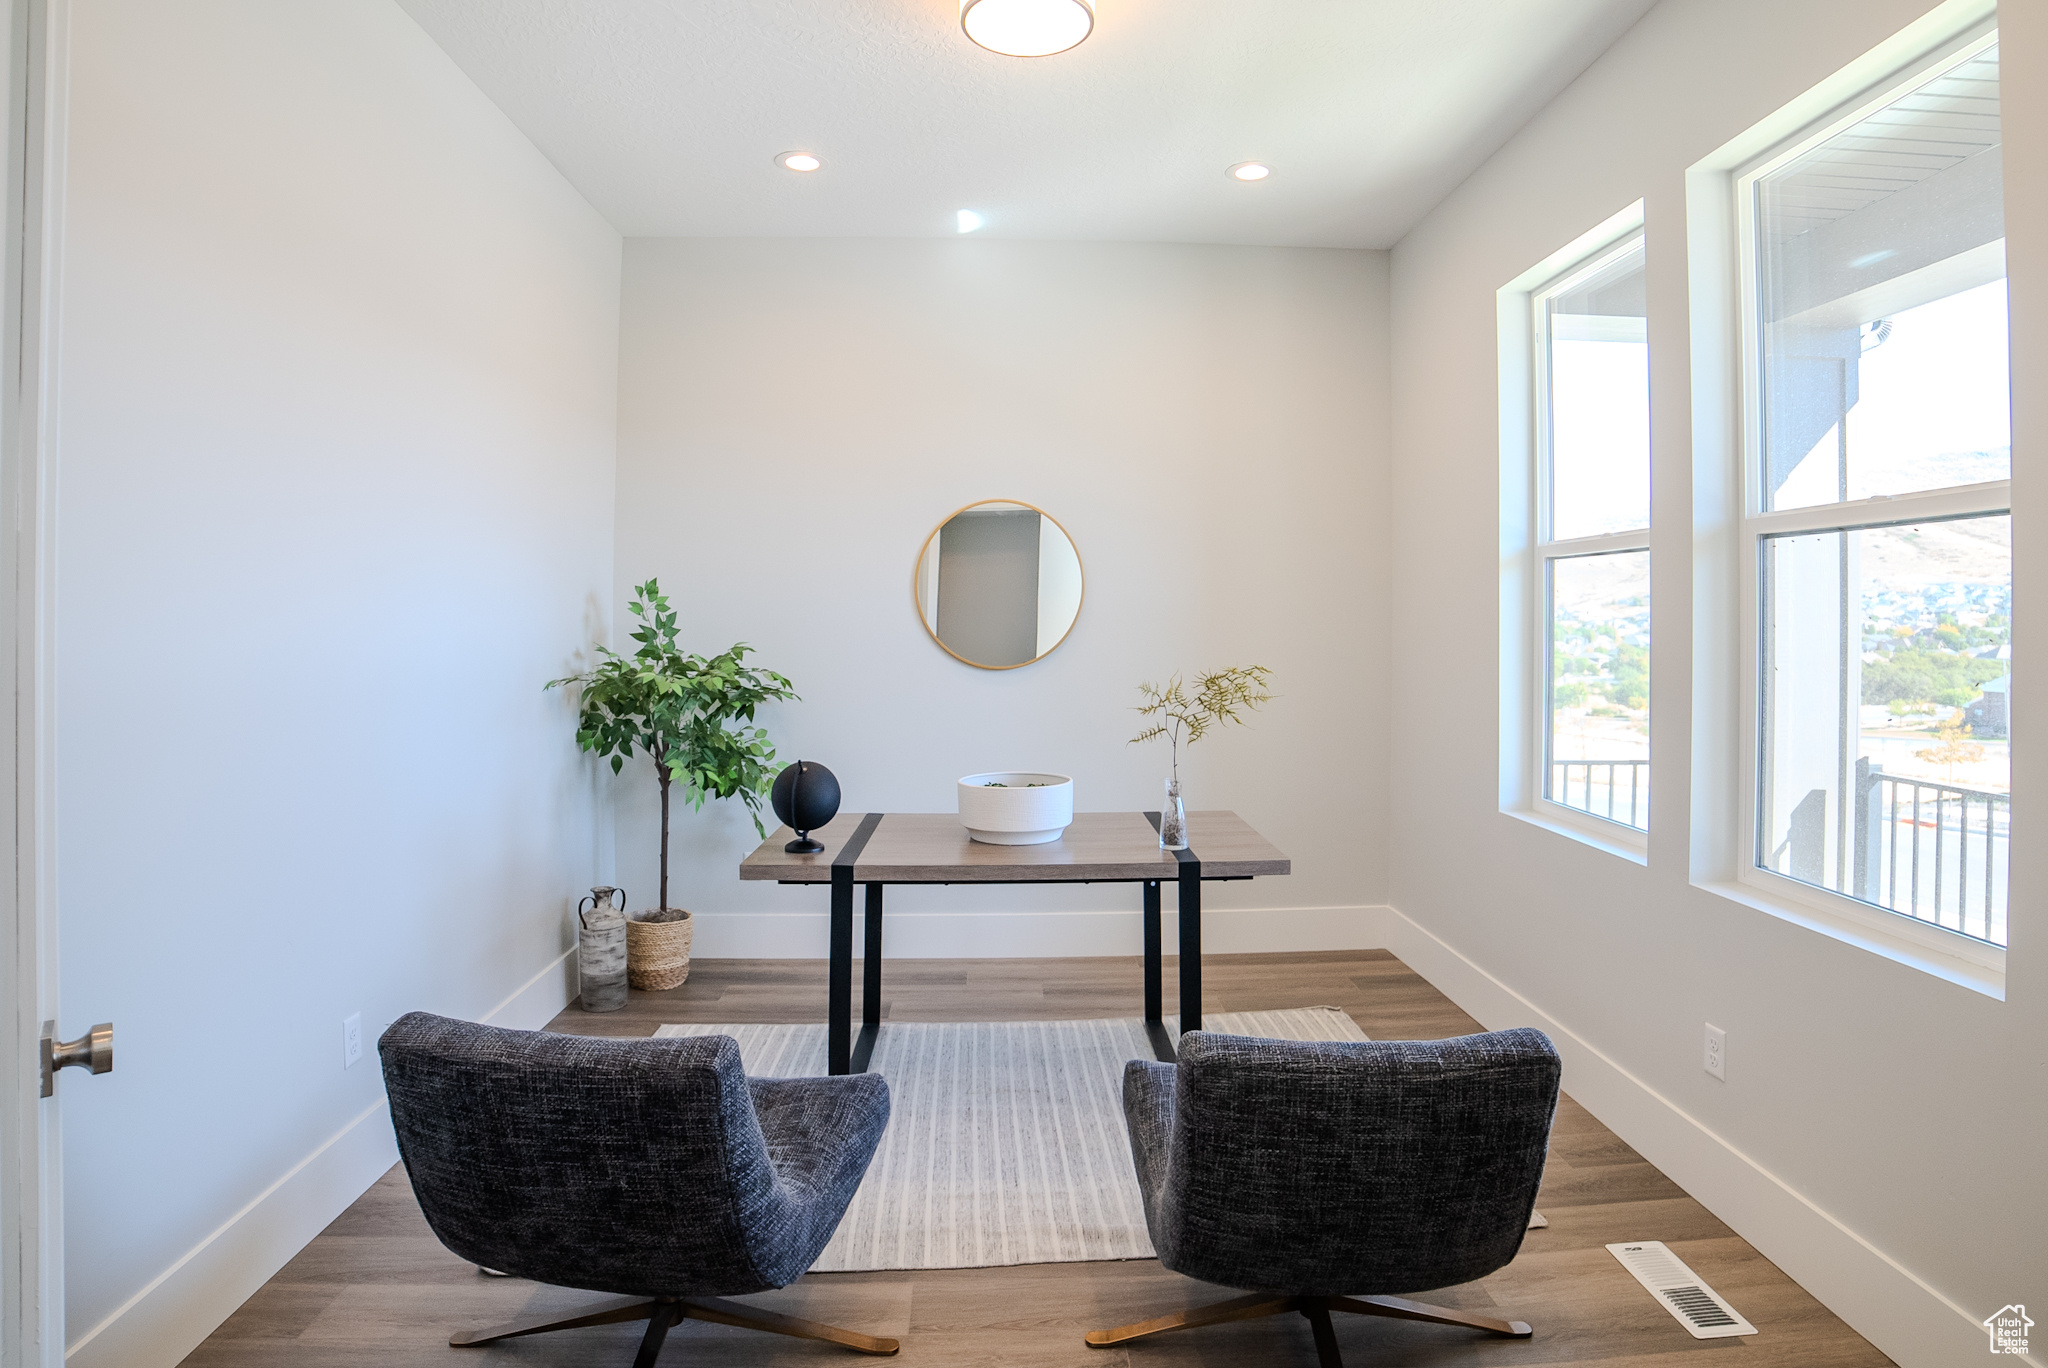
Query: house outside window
x=1877, y=528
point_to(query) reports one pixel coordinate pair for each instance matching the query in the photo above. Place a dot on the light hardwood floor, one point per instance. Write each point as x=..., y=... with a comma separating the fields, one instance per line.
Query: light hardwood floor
x=375, y=1288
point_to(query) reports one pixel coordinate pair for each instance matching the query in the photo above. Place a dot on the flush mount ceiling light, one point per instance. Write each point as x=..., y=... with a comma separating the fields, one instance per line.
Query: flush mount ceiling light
x=798, y=161
x=968, y=220
x=1250, y=171
x=1027, y=28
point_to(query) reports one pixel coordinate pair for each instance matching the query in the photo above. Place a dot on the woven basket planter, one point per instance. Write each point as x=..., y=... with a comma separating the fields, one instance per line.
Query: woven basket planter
x=658, y=952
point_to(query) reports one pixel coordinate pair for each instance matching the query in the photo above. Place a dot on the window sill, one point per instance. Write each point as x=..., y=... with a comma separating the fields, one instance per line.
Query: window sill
x=1979, y=968
x=1615, y=839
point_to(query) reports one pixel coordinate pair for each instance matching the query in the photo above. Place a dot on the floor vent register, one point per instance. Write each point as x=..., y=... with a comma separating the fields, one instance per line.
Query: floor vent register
x=1684, y=1293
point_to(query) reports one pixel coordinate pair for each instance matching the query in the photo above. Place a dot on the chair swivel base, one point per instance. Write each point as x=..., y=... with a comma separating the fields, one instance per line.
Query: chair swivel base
x=1317, y=1312
x=662, y=1312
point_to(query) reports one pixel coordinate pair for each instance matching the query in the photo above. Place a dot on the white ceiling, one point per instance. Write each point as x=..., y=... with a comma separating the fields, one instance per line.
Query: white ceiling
x=667, y=114
x=1937, y=128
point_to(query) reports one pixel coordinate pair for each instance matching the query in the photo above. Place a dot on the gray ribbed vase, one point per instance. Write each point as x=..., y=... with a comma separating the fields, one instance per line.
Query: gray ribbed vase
x=601, y=953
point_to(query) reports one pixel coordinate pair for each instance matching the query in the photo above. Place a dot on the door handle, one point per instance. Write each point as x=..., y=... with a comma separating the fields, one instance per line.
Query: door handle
x=94, y=1050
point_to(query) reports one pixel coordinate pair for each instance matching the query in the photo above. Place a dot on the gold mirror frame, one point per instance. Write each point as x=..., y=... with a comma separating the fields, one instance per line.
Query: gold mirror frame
x=917, y=600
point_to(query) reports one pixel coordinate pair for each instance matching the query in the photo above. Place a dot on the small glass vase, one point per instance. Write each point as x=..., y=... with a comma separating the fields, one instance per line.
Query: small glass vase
x=1173, y=819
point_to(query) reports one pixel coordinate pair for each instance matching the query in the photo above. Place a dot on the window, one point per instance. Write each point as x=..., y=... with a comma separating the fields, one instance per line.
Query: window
x=1877, y=526
x=1592, y=508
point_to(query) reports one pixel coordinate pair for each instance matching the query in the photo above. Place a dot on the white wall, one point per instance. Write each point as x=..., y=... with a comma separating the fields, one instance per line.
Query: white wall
x=335, y=499
x=1208, y=423
x=1878, y=1134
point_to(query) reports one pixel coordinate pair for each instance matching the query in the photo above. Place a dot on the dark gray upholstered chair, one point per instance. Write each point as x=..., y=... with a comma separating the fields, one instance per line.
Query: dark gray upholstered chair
x=1324, y=1176
x=655, y=1169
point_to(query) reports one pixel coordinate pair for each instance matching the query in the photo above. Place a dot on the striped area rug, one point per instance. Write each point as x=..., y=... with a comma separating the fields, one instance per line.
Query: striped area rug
x=1006, y=1141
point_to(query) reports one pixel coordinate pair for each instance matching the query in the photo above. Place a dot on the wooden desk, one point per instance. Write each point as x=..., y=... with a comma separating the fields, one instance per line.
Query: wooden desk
x=877, y=849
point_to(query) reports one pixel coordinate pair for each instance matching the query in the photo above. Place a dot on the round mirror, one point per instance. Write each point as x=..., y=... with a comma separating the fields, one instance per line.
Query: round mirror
x=999, y=584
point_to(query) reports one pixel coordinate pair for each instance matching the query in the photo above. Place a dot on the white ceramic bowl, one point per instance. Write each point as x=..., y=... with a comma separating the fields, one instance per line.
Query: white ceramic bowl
x=1016, y=807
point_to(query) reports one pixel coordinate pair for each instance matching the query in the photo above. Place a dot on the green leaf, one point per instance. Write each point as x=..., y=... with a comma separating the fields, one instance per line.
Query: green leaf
x=696, y=716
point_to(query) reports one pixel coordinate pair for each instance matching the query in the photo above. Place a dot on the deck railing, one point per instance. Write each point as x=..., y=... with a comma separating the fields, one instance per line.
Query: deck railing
x=1935, y=852
x=1618, y=790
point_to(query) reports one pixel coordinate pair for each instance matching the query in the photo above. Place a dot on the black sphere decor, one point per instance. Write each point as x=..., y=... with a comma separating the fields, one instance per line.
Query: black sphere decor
x=805, y=797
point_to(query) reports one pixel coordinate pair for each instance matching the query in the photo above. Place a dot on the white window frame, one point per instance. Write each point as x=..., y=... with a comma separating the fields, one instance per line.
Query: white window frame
x=1950, y=954
x=1585, y=257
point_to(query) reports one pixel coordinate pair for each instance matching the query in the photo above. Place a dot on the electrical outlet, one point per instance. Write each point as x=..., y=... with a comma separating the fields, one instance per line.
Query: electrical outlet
x=1717, y=1052
x=351, y=1039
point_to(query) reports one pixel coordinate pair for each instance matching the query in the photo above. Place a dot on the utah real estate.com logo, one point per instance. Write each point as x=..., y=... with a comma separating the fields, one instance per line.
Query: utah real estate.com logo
x=2008, y=1329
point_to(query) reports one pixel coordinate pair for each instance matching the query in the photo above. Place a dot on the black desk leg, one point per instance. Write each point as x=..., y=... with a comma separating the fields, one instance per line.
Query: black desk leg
x=1153, y=1002
x=1190, y=943
x=839, y=993
x=870, y=983
x=1155, y=1028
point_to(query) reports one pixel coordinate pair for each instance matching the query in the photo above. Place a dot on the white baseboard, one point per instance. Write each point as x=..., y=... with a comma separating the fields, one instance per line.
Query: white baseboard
x=1017, y=935
x=165, y=1321
x=1886, y=1303
x=534, y=1003
x=168, y=1319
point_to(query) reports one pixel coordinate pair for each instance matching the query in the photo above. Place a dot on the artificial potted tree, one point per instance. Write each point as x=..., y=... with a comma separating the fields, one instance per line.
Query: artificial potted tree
x=693, y=716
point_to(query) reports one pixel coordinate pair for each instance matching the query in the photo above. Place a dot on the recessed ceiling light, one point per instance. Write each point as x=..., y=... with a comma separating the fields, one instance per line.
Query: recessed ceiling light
x=798, y=161
x=1249, y=171
x=969, y=220
x=1027, y=28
